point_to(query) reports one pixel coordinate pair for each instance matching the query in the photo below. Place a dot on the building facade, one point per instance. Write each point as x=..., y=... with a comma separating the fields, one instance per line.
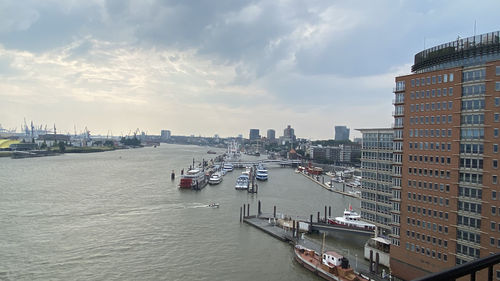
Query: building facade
x=445, y=171
x=254, y=134
x=376, y=178
x=271, y=135
x=341, y=133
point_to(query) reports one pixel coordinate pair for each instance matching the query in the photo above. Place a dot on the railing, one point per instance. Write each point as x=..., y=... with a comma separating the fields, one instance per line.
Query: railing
x=465, y=269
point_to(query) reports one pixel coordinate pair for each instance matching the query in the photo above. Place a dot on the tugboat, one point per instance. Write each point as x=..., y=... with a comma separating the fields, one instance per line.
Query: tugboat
x=193, y=179
x=328, y=265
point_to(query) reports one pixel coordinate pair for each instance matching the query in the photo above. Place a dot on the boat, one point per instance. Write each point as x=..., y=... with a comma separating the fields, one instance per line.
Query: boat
x=261, y=173
x=351, y=219
x=213, y=205
x=228, y=167
x=380, y=246
x=216, y=178
x=328, y=265
x=193, y=179
x=211, y=152
x=242, y=182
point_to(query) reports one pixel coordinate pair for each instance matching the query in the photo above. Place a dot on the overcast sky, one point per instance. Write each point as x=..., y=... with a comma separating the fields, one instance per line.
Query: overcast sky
x=216, y=66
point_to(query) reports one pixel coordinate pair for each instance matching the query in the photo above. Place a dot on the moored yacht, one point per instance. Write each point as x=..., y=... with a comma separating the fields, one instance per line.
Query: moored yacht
x=261, y=173
x=351, y=219
x=242, y=182
x=216, y=178
x=228, y=167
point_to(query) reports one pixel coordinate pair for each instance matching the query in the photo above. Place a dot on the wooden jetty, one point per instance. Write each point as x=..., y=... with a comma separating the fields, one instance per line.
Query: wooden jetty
x=267, y=224
x=327, y=187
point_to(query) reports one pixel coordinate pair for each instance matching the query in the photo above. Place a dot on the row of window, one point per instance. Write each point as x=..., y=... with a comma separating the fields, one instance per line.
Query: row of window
x=469, y=207
x=468, y=251
x=442, y=201
x=428, y=225
x=471, y=192
x=476, y=104
x=387, y=167
x=432, y=133
x=431, y=213
x=429, y=172
x=431, y=79
x=433, y=106
x=426, y=251
x=468, y=236
x=472, y=133
x=473, y=119
x=385, y=156
x=439, y=119
x=431, y=145
x=474, y=75
x=473, y=178
x=469, y=221
x=427, y=238
x=474, y=148
x=471, y=163
x=431, y=93
x=423, y=184
x=429, y=159
x=473, y=90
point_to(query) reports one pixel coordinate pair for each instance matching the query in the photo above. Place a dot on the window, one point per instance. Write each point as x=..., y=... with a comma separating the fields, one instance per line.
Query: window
x=497, y=86
x=445, y=77
x=496, y=117
x=495, y=148
x=495, y=163
x=497, y=101
x=494, y=179
x=451, y=77
x=498, y=70
x=495, y=132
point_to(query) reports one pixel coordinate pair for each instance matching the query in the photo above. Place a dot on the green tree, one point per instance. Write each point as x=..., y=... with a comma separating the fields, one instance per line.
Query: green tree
x=62, y=147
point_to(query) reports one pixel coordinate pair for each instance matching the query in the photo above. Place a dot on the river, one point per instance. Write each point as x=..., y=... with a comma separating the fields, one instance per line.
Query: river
x=118, y=216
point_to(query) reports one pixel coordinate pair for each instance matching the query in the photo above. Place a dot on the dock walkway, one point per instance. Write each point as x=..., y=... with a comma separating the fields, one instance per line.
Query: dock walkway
x=327, y=187
x=358, y=263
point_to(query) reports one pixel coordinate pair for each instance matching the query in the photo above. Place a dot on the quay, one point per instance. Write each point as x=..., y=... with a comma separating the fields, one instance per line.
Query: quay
x=267, y=223
x=327, y=187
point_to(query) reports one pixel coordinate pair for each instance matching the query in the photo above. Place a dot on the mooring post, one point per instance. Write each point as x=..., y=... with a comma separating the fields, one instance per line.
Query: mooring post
x=318, y=217
x=244, y=211
x=274, y=212
x=376, y=262
x=298, y=229
x=311, y=223
x=241, y=209
x=325, y=214
x=329, y=211
x=371, y=261
x=293, y=228
x=258, y=213
x=248, y=209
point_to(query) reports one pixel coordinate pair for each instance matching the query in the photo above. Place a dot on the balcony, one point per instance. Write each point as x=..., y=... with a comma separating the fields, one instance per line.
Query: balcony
x=466, y=269
x=398, y=101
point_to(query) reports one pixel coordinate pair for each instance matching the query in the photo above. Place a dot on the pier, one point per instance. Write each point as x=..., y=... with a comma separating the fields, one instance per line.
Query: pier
x=327, y=186
x=294, y=232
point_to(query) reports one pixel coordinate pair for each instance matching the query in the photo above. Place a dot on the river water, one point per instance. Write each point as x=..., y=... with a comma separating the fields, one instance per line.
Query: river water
x=118, y=216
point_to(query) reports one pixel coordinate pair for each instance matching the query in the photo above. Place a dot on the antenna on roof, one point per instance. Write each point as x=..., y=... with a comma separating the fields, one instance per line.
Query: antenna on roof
x=474, y=28
x=424, y=42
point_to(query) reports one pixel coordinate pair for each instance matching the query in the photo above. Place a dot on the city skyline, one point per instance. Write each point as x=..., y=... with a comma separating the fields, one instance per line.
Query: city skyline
x=216, y=69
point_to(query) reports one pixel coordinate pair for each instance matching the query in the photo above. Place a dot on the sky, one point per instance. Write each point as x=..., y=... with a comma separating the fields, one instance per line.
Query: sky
x=217, y=67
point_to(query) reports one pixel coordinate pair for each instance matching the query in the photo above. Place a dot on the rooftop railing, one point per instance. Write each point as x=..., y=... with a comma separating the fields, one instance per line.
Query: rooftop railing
x=461, y=48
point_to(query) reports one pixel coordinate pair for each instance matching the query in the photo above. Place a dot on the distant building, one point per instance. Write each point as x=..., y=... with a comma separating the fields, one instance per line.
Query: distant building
x=341, y=133
x=165, y=135
x=51, y=139
x=358, y=140
x=254, y=134
x=350, y=153
x=271, y=134
x=325, y=154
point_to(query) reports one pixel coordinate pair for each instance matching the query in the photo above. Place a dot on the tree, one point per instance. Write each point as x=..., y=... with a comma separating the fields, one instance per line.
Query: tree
x=62, y=147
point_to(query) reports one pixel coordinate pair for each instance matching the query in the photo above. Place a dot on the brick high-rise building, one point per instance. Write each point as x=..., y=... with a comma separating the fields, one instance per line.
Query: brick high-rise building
x=446, y=204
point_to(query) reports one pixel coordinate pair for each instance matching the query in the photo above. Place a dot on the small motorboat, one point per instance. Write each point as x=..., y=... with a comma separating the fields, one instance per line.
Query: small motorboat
x=213, y=205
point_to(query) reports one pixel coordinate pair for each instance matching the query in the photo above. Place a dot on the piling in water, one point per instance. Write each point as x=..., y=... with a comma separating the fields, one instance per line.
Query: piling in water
x=258, y=211
x=274, y=212
x=241, y=218
x=248, y=209
x=329, y=211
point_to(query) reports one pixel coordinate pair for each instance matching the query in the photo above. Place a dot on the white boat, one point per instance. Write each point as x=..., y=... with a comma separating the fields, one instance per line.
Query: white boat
x=351, y=219
x=228, y=167
x=261, y=173
x=242, y=182
x=216, y=178
x=213, y=205
x=380, y=246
